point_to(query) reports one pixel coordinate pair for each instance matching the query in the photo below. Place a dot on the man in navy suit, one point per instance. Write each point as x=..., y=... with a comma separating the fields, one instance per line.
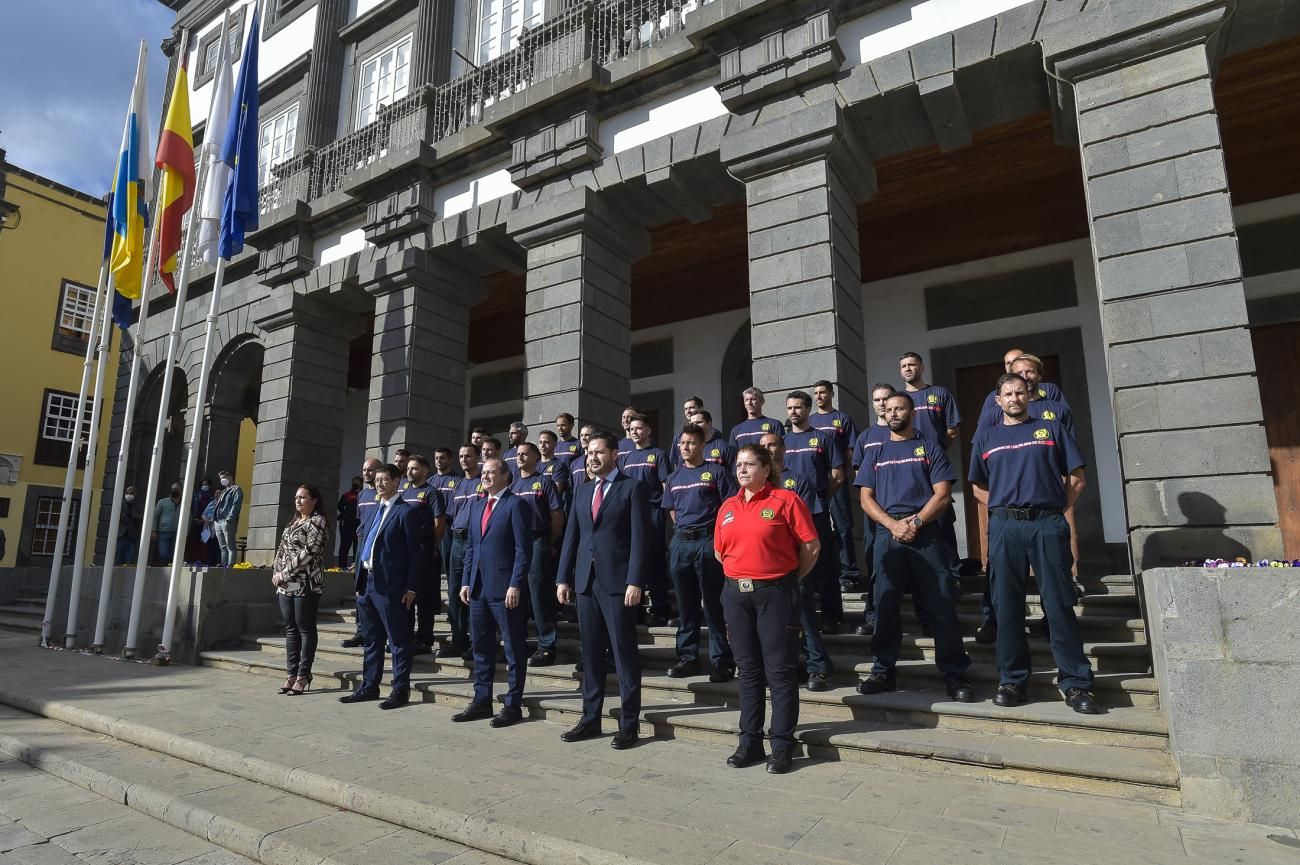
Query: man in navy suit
x=606, y=547
x=388, y=570
x=497, y=558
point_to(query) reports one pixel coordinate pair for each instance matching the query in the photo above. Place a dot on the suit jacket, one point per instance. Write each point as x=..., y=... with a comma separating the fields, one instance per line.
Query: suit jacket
x=499, y=559
x=611, y=550
x=396, y=555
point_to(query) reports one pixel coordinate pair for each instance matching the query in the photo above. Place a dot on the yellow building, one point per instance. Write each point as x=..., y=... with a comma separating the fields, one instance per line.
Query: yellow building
x=51, y=238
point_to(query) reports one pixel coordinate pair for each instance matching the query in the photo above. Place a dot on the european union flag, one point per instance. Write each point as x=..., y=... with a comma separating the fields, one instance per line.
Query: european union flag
x=239, y=151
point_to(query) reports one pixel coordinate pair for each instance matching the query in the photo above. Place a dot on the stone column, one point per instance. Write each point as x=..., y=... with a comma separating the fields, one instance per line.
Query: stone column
x=804, y=175
x=325, y=75
x=300, y=419
x=577, y=319
x=431, y=48
x=1187, y=408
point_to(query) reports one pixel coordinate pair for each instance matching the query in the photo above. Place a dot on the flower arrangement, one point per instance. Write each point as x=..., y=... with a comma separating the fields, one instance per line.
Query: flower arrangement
x=243, y=566
x=1242, y=562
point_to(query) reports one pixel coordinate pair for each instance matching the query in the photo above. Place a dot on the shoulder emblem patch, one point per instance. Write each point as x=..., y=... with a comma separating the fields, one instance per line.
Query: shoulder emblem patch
x=932, y=399
x=1049, y=415
x=537, y=485
x=767, y=427
x=706, y=476
x=1040, y=433
x=789, y=483
x=813, y=441
x=1041, y=393
x=837, y=423
x=920, y=452
x=715, y=453
x=650, y=459
x=767, y=514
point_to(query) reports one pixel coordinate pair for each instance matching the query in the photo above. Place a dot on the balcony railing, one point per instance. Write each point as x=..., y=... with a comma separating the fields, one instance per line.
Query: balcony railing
x=395, y=125
x=624, y=27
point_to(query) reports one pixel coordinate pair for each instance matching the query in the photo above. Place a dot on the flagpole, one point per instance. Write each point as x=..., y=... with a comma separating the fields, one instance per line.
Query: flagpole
x=119, y=479
x=128, y=414
x=69, y=478
x=191, y=461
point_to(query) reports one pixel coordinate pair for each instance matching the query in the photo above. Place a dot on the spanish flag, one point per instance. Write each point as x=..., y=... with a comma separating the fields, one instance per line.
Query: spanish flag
x=131, y=192
x=176, y=159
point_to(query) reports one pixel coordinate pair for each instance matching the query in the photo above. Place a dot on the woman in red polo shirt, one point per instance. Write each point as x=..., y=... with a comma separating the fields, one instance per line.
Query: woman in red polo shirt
x=767, y=543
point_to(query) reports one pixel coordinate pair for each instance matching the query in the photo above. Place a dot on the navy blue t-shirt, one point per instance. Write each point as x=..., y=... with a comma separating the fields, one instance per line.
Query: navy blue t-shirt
x=804, y=490
x=719, y=453
x=650, y=466
x=567, y=449
x=467, y=490
x=446, y=486
x=1039, y=408
x=936, y=413
x=717, y=441
x=697, y=493
x=511, y=459
x=366, y=502
x=557, y=470
x=626, y=446
x=541, y=498
x=811, y=455
x=841, y=425
x=902, y=474
x=1022, y=464
x=750, y=430
x=427, y=501
x=868, y=440
x=1046, y=390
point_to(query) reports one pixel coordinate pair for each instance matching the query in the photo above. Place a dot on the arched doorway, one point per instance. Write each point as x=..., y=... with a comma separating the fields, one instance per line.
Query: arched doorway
x=228, y=440
x=737, y=374
x=142, y=433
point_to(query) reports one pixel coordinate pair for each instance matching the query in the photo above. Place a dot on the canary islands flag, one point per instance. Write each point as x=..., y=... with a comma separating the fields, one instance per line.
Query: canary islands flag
x=176, y=159
x=131, y=192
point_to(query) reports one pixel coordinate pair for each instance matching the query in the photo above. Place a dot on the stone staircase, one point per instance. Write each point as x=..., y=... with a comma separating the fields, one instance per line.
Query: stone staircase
x=1123, y=752
x=24, y=614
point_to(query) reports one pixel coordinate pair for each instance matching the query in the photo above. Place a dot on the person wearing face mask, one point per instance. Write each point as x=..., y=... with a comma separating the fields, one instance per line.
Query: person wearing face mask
x=166, y=514
x=225, y=517
x=202, y=511
x=128, y=530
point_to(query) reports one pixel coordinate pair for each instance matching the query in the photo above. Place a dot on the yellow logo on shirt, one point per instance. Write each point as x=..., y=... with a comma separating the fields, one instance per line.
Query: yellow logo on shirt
x=537, y=485
x=419, y=497
x=715, y=453
x=1049, y=415
x=767, y=427
x=789, y=483
x=920, y=452
x=481, y=489
x=932, y=399
x=550, y=470
x=767, y=514
x=1040, y=433
x=1041, y=393
x=812, y=442
x=650, y=459
x=706, y=476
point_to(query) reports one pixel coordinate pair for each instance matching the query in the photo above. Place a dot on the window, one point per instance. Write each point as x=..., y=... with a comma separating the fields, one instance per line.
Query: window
x=57, y=427
x=45, y=527
x=385, y=78
x=278, y=137
x=208, y=45
x=500, y=23
x=76, y=312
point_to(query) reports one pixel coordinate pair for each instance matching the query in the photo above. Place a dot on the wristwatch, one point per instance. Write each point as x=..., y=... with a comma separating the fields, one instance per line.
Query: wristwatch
x=917, y=522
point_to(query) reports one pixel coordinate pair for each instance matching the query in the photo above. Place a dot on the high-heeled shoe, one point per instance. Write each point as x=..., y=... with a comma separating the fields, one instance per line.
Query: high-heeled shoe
x=301, y=686
x=288, y=685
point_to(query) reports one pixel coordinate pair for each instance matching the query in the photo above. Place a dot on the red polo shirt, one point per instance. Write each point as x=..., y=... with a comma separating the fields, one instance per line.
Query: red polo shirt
x=759, y=539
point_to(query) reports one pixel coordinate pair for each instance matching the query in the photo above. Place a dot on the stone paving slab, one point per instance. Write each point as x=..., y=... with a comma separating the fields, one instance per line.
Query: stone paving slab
x=666, y=801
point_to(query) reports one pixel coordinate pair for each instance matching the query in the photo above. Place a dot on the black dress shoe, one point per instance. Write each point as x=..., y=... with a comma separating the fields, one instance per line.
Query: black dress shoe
x=580, y=732
x=1082, y=701
x=449, y=651
x=467, y=656
x=577, y=668
x=506, y=717
x=682, y=669
x=473, y=712
x=421, y=648
x=353, y=642
x=654, y=620
x=878, y=683
x=624, y=739
x=674, y=622
x=960, y=690
x=722, y=673
x=987, y=633
x=778, y=763
x=396, y=700
x=358, y=697
x=746, y=757
x=866, y=629
x=831, y=627
x=817, y=682
x=541, y=658
x=1009, y=695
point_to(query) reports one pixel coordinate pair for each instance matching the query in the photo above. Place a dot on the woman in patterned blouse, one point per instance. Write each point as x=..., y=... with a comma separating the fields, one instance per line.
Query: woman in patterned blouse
x=299, y=581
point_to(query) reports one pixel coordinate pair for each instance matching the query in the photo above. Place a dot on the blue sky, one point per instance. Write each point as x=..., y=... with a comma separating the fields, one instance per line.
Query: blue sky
x=67, y=82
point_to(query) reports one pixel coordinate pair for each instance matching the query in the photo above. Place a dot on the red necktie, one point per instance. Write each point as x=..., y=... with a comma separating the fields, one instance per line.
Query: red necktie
x=597, y=498
x=487, y=514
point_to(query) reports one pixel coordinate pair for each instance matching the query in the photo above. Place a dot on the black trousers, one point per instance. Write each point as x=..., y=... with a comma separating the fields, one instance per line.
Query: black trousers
x=457, y=613
x=299, y=614
x=347, y=543
x=605, y=622
x=826, y=573
x=764, y=630
x=924, y=567
x=428, y=594
x=656, y=573
x=697, y=580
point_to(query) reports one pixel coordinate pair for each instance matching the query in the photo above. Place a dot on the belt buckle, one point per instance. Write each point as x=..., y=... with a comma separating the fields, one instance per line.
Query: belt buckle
x=745, y=585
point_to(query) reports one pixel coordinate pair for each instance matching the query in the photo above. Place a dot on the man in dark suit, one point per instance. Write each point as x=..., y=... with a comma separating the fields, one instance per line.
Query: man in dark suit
x=606, y=546
x=497, y=558
x=388, y=570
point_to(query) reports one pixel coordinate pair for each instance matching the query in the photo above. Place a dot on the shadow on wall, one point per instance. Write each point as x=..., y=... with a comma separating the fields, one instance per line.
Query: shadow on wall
x=1202, y=537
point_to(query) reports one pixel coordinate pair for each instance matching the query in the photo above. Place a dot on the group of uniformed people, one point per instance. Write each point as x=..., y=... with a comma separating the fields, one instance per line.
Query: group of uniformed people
x=568, y=490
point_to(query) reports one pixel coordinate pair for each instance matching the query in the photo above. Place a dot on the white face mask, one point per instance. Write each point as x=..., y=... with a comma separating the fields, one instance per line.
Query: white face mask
x=225, y=482
x=130, y=497
x=205, y=488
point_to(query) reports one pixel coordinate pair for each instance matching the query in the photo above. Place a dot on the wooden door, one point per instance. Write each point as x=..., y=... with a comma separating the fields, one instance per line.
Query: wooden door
x=1277, y=358
x=971, y=389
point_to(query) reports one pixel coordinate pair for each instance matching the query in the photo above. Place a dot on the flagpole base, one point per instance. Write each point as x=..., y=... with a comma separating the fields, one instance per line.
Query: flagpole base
x=70, y=642
x=129, y=654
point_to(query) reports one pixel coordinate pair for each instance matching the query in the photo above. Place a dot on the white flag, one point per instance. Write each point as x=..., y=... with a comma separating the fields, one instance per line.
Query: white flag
x=214, y=190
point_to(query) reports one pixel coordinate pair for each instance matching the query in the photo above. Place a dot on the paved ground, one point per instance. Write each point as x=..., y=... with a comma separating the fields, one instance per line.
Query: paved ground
x=665, y=801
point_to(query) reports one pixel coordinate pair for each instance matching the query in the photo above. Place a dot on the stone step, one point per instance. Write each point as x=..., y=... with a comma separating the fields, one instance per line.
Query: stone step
x=1143, y=774
x=13, y=622
x=26, y=610
x=31, y=602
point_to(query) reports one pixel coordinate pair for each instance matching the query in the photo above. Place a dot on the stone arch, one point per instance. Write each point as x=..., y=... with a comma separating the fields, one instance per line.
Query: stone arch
x=737, y=374
x=142, y=432
x=234, y=393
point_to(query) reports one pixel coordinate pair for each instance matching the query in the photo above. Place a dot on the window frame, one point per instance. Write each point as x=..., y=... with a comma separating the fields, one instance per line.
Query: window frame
x=511, y=36
x=51, y=451
x=266, y=166
x=68, y=342
x=408, y=39
x=205, y=71
x=45, y=530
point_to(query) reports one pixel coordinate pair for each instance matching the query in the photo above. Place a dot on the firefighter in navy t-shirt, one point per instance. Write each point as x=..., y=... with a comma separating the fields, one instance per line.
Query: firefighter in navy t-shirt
x=906, y=484
x=1028, y=472
x=936, y=420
